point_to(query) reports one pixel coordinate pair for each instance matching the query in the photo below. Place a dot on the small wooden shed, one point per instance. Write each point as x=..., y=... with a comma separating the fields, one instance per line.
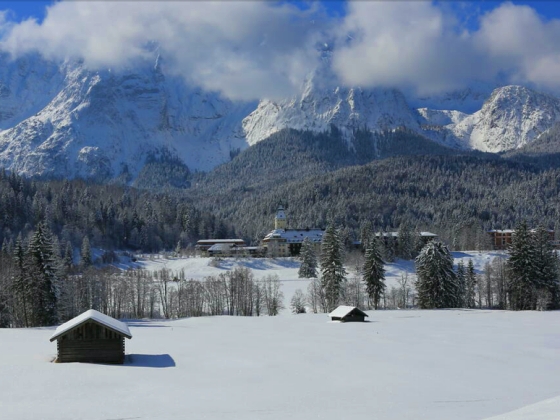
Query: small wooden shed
x=348, y=314
x=91, y=337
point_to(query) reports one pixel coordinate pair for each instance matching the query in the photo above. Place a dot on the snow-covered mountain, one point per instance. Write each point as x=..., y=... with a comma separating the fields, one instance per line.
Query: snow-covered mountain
x=100, y=124
x=317, y=108
x=512, y=117
x=63, y=120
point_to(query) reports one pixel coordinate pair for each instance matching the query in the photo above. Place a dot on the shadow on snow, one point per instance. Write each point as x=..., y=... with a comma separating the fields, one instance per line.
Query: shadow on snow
x=149, y=360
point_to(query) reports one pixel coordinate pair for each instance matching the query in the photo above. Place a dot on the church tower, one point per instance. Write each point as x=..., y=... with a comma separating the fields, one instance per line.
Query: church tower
x=280, y=219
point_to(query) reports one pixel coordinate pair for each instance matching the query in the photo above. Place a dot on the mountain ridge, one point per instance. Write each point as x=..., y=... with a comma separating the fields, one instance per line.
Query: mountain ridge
x=68, y=121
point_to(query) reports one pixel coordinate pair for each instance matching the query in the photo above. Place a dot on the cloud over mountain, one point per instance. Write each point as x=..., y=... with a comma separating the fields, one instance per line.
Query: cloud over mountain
x=260, y=49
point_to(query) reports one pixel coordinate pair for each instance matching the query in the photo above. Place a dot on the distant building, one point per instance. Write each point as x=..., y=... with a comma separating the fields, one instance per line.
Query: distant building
x=232, y=250
x=348, y=314
x=425, y=237
x=204, y=245
x=91, y=337
x=501, y=239
x=284, y=242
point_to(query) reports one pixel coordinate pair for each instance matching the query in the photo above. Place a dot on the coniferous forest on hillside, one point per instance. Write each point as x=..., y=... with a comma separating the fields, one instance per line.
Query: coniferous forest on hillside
x=49, y=228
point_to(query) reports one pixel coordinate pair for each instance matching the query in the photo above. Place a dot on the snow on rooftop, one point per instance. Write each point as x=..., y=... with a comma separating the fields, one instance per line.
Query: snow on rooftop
x=342, y=311
x=94, y=315
x=296, y=235
x=220, y=241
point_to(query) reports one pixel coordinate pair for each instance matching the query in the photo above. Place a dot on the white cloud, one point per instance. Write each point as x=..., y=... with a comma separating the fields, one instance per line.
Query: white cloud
x=245, y=50
x=257, y=49
x=420, y=46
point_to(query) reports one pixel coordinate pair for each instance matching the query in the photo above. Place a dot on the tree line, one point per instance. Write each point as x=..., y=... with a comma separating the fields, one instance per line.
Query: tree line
x=529, y=279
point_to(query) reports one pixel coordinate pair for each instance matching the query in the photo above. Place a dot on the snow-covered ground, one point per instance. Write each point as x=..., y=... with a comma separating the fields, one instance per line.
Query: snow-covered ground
x=404, y=364
x=434, y=365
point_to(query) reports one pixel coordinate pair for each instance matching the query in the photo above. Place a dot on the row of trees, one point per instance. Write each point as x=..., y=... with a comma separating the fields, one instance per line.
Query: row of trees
x=528, y=280
x=41, y=286
x=332, y=287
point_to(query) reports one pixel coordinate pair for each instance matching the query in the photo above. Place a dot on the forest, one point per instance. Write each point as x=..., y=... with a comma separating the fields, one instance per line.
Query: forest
x=48, y=228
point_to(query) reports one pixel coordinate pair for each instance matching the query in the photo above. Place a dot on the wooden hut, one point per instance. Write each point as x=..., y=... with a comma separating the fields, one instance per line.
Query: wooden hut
x=348, y=314
x=91, y=337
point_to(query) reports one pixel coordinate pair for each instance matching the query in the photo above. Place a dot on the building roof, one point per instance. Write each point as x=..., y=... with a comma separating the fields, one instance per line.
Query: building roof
x=92, y=315
x=296, y=235
x=221, y=247
x=396, y=234
x=220, y=241
x=342, y=311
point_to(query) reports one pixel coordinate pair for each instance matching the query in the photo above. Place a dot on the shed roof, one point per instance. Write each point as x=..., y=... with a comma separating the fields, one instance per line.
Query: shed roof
x=93, y=315
x=342, y=311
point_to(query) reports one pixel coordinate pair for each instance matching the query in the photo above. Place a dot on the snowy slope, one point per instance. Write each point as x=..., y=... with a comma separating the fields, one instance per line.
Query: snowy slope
x=27, y=85
x=512, y=117
x=318, y=107
x=436, y=365
x=103, y=123
x=65, y=121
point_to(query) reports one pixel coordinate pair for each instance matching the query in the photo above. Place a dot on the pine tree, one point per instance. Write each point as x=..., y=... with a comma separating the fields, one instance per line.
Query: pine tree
x=521, y=264
x=308, y=267
x=546, y=267
x=41, y=267
x=437, y=282
x=68, y=256
x=85, y=254
x=333, y=273
x=405, y=249
x=462, y=285
x=374, y=273
x=470, y=284
x=22, y=287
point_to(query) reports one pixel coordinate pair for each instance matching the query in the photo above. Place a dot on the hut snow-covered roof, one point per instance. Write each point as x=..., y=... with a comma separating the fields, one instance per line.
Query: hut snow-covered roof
x=342, y=311
x=92, y=315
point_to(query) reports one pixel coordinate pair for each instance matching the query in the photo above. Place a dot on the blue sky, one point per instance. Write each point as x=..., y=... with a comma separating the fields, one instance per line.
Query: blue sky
x=24, y=9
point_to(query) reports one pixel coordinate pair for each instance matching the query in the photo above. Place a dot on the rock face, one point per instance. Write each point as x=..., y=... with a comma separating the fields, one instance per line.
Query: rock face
x=317, y=108
x=512, y=117
x=101, y=124
x=62, y=120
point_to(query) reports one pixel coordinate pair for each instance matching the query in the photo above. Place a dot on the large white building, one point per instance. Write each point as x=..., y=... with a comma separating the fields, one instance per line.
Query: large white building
x=284, y=242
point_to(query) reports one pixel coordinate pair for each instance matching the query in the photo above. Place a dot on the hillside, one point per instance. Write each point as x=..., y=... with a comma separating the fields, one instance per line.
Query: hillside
x=445, y=194
x=290, y=155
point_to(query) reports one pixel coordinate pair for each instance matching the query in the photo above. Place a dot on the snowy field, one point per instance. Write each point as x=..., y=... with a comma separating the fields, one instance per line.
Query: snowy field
x=287, y=268
x=433, y=365
x=403, y=364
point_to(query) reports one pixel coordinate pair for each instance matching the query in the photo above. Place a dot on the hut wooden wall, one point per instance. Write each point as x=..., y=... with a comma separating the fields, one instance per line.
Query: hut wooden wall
x=91, y=343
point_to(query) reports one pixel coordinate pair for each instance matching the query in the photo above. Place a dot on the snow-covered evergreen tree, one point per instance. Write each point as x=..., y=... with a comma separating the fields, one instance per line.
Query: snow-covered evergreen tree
x=437, y=282
x=85, y=254
x=462, y=285
x=470, y=284
x=68, y=256
x=523, y=270
x=41, y=268
x=308, y=267
x=333, y=273
x=406, y=242
x=546, y=268
x=374, y=273
x=22, y=286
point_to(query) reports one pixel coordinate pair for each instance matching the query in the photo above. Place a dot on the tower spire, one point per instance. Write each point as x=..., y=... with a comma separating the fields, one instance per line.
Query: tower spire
x=280, y=219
